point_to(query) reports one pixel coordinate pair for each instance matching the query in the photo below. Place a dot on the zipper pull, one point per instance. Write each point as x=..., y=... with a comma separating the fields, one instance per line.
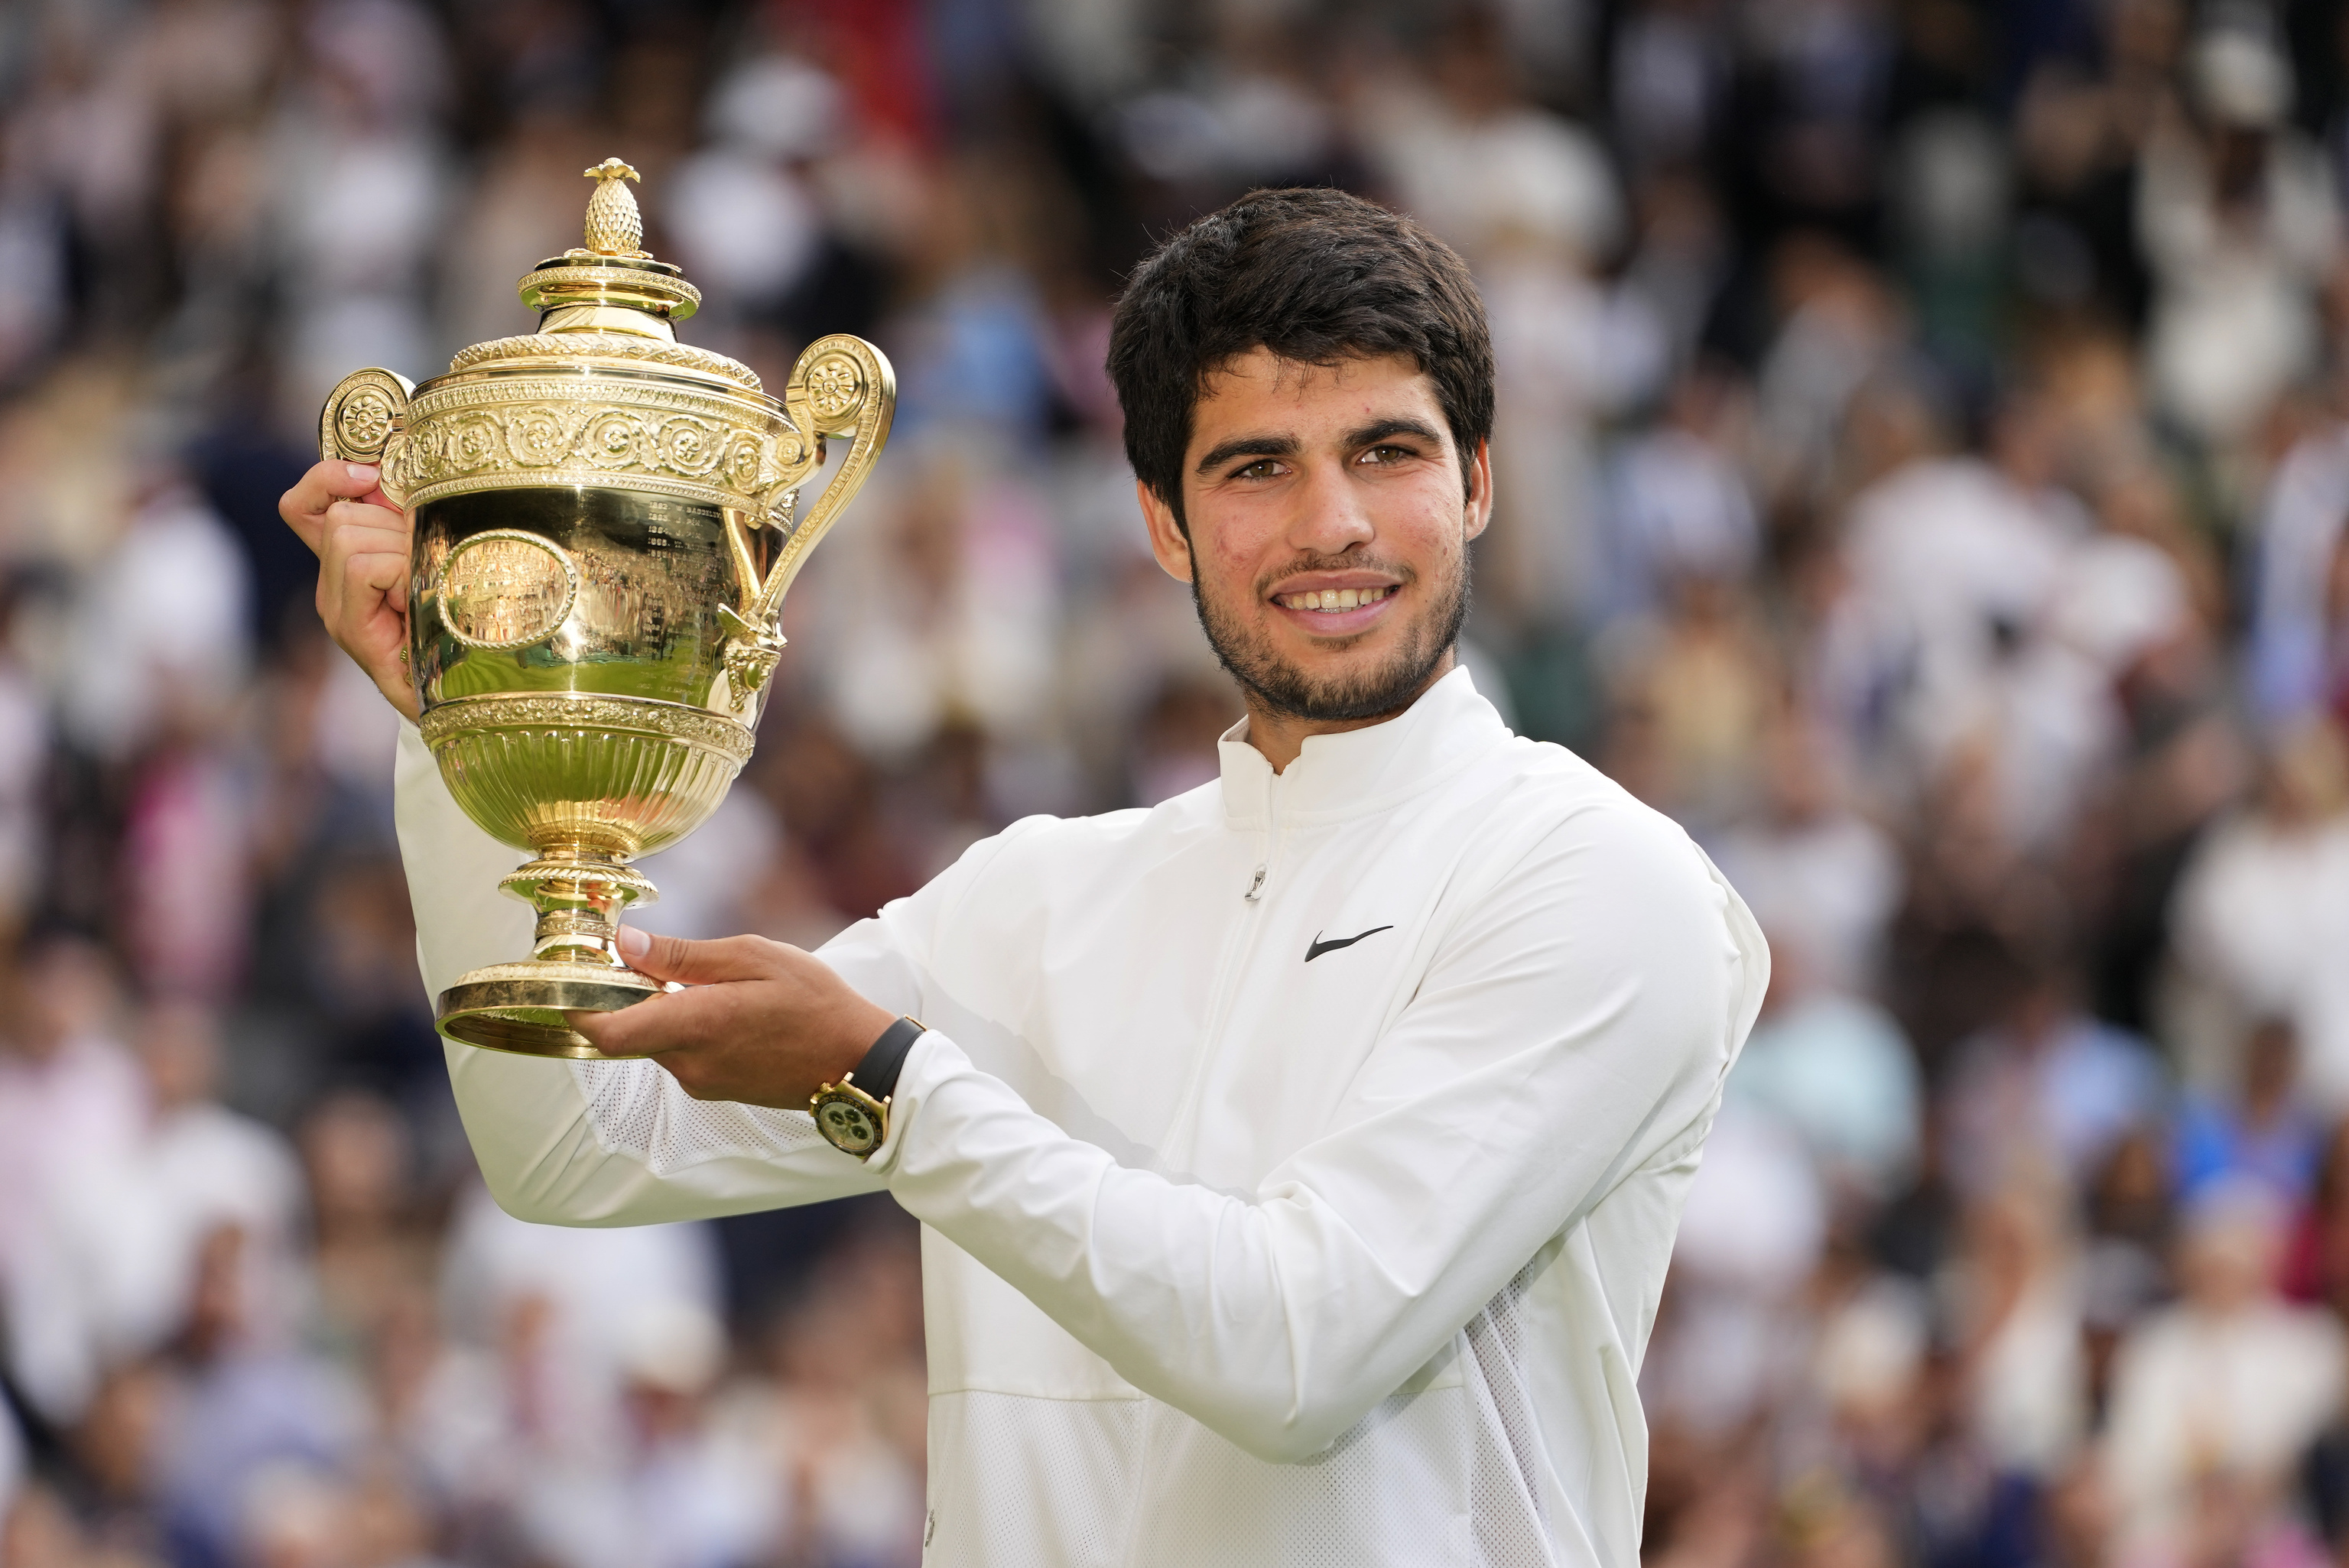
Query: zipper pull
x=1256, y=888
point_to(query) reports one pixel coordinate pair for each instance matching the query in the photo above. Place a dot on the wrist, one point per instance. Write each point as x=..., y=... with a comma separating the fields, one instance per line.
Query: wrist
x=853, y=1112
x=857, y=1033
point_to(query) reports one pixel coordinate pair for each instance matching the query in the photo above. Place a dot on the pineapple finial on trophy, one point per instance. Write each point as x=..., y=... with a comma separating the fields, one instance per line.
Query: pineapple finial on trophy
x=615, y=228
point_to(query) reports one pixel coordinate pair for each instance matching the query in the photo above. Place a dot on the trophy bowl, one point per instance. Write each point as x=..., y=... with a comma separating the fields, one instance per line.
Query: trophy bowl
x=604, y=522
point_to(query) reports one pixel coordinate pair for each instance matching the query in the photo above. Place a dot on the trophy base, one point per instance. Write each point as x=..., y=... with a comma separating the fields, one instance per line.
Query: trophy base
x=520, y=1008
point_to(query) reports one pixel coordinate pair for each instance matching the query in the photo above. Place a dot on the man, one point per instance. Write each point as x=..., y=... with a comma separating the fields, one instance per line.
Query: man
x=1299, y=1161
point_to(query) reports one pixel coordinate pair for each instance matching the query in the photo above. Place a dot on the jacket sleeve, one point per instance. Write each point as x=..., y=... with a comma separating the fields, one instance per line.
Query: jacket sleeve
x=1574, y=1027
x=601, y=1144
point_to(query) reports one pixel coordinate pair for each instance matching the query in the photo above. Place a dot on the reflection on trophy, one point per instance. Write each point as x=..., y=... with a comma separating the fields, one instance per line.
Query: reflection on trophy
x=605, y=521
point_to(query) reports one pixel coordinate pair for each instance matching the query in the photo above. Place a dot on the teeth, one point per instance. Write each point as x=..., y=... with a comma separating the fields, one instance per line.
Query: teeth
x=1333, y=599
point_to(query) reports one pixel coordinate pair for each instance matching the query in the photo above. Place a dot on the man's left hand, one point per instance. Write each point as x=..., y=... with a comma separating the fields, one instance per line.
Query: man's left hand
x=758, y=1023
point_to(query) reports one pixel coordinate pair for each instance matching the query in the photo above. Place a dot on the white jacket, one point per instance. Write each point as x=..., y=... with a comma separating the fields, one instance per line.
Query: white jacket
x=1298, y=1161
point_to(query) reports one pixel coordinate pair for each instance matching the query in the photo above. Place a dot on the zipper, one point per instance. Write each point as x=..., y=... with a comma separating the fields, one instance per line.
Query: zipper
x=1226, y=994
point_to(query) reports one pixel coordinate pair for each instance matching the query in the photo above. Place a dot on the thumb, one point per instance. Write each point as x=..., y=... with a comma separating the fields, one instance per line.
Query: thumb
x=693, y=963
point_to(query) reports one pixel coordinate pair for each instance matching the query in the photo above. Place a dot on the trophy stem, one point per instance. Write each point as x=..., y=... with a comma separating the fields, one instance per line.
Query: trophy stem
x=575, y=965
x=579, y=896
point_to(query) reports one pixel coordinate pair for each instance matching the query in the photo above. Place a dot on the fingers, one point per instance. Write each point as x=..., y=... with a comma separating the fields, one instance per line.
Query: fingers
x=306, y=507
x=702, y=962
x=363, y=590
x=363, y=582
x=373, y=565
x=673, y=1022
x=762, y=1023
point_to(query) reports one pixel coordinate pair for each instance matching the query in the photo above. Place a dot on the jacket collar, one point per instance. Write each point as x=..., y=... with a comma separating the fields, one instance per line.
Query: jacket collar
x=1361, y=770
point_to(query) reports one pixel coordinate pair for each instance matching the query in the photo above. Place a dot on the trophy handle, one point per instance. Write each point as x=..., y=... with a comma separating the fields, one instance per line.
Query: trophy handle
x=365, y=417
x=842, y=385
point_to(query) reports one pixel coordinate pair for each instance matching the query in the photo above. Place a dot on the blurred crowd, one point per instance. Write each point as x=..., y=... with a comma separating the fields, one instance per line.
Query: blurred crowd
x=1922, y=470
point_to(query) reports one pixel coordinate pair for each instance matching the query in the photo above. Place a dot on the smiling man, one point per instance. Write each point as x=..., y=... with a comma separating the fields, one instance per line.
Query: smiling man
x=1298, y=1159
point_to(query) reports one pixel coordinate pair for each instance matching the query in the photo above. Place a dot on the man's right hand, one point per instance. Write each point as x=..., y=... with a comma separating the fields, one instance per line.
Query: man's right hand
x=361, y=542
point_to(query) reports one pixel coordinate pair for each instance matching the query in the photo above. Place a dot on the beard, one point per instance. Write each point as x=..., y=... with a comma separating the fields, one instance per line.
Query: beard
x=1293, y=691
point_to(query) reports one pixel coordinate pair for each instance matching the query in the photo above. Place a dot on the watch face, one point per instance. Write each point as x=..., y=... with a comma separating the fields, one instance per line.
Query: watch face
x=848, y=1126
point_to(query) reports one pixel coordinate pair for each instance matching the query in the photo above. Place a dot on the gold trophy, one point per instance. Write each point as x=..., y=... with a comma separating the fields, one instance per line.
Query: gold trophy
x=606, y=521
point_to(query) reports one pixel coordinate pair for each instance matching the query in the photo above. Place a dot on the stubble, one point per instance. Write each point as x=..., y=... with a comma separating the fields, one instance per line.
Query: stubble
x=1286, y=689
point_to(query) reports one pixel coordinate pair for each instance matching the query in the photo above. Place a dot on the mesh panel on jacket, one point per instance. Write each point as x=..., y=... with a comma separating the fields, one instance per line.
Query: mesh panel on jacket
x=634, y=1112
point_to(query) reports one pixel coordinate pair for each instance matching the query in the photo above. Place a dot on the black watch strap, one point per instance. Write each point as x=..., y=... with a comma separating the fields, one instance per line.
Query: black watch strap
x=877, y=1075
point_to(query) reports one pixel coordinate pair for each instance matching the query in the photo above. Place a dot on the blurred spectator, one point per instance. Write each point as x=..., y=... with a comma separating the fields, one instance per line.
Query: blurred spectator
x=1822, y=879
x=1837, y=1069
x=2047, y=1091
x=2018, y=1315
x=359, y=1157
x=132, y=1227
x=25, y=762
x=2316, y=1258
x=2296, y=646
x=246, y=1414
x=2236, y=217
x=1724, y=1352
x=2264, y=1132
x=562, y=1306
x=1694, y=690
x=2215, y=1399
x=2260, y=913
x=160, y=640
x=676, y=1492
x=1483, y=166
x=1679, y=504
x=1954, y=561
x=960, y=629
x=1837, y=326
x=71, y=1110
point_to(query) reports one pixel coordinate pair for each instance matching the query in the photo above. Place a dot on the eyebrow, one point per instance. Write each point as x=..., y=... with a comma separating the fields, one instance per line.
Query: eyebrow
x=1285, y=445
x=1258, y=446
x=1379, y=430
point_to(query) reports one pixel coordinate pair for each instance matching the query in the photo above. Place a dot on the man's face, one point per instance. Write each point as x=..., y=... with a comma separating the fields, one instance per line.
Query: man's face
x=1330, y=515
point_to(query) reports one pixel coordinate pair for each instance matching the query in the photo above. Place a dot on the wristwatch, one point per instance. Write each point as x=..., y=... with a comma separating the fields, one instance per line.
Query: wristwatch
x=854, y=1116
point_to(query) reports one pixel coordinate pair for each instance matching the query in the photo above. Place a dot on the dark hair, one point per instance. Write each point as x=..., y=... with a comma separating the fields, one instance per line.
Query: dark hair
x=1317, y=276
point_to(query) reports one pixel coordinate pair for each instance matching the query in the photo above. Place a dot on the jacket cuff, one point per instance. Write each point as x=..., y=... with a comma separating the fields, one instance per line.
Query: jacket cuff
x=933, y=1059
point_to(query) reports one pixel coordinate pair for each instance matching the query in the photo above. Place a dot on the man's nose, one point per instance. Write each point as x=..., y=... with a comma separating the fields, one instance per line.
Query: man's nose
x=1329, y=514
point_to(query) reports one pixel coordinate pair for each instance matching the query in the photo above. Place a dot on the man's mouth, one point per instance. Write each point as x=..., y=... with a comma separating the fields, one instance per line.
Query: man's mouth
x=1332, y=600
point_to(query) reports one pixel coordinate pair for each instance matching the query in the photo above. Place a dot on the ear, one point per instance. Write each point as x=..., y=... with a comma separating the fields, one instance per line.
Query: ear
x=1166, y=539
x=1479, y=510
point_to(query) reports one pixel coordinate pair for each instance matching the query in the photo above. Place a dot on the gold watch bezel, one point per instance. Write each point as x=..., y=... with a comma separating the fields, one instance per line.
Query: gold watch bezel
x=846, y=1092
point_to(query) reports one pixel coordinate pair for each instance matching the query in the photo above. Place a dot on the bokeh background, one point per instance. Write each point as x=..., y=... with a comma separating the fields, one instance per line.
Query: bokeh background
x=1923, y=461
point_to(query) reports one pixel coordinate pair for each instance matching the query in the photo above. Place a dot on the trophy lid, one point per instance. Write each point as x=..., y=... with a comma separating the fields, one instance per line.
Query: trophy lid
x=612, y=285
x=610, y=299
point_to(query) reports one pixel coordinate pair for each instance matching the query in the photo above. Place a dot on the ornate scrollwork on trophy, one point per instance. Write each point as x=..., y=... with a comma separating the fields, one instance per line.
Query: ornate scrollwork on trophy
x=364, y=412
x=671, y=439
x=753, y=648
x=693, y=726
x=749, y=662
x=608, y=346
x=835, y=386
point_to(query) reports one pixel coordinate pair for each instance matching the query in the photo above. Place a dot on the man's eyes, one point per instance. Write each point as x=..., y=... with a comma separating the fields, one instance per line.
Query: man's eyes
x=1386, y=454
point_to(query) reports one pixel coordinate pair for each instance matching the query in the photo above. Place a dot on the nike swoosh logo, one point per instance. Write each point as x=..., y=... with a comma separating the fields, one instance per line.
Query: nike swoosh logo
x=1320, y=948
